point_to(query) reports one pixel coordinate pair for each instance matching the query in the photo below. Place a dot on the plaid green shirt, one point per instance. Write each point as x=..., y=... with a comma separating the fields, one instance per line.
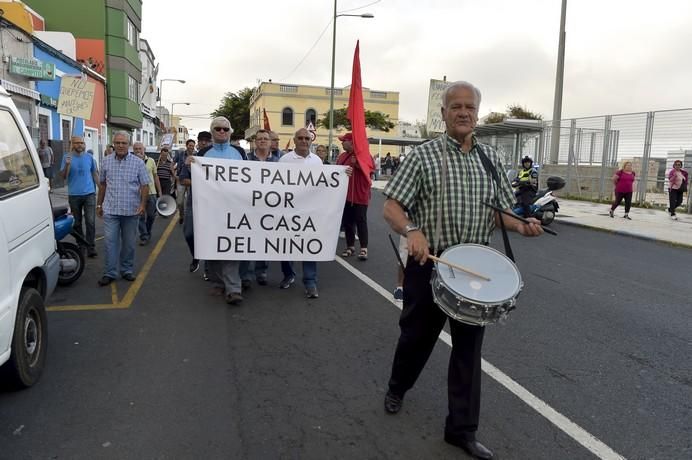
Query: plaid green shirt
x=417, y=187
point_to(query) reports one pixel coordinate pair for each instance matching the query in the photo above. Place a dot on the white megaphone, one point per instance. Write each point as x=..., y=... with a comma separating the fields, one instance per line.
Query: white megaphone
x=166, y=205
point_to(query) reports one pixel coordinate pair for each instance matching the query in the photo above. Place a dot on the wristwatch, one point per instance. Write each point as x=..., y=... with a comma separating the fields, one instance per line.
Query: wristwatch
x=411, y=228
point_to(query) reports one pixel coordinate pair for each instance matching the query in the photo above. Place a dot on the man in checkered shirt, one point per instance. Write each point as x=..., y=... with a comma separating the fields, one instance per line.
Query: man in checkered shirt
x=123, y=195
x=416, y=189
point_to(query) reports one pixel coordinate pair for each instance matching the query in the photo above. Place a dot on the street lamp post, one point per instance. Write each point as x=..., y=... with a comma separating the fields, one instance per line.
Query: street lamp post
x=331, y=91
x=161, y=89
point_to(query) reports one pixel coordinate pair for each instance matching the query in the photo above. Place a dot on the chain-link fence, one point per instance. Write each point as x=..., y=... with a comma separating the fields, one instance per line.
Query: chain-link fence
x=592, y=149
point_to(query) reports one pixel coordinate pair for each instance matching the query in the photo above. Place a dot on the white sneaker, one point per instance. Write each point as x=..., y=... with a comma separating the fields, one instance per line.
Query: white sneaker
x=674, y=217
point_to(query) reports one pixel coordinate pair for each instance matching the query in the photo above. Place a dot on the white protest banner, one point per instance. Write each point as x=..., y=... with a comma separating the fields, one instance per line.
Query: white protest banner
x=76, y=97
x=252, y=210
x=435, y=124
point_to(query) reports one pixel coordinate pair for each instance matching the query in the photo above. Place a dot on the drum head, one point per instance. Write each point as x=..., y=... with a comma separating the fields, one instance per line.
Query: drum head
x=505, y=279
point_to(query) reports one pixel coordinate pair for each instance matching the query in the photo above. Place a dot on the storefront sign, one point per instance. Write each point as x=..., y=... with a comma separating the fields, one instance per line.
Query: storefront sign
x=49, y=101
x=32, y=68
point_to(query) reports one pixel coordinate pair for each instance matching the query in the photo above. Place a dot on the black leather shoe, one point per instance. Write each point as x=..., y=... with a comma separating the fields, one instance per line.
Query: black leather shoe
x=474, y=448
x=105, y=281
x=129, y=277
x=392, y=402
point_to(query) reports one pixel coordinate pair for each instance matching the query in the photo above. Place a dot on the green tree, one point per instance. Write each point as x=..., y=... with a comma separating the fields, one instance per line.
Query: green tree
x=495, y=117
x=513, y=111
x=236, y=107
x=373, y=120
x=519, y=112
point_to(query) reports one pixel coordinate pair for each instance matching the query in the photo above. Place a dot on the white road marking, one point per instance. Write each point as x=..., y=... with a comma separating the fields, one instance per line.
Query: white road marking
x=583, y=437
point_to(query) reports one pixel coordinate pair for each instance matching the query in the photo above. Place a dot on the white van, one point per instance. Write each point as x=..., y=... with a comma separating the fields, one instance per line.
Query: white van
x=29, y=263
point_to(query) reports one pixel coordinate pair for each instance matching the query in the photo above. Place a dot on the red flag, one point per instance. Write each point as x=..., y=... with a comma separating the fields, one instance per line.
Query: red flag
x=266, y=120
x=356, y=114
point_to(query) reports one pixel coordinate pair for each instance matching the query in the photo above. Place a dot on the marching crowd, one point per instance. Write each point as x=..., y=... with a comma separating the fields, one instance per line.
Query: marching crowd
x=432, y=200
x=125, y=191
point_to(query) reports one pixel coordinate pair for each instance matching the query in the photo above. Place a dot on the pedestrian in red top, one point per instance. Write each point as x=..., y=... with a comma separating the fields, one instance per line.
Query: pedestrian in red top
x=357, y=200
x=624, y=186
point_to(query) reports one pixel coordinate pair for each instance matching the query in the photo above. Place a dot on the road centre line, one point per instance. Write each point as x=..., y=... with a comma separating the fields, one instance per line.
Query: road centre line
x=580, y=435
x=134, y=288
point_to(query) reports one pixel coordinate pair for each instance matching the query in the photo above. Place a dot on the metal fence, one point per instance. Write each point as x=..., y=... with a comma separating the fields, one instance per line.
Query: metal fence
x=591, y=149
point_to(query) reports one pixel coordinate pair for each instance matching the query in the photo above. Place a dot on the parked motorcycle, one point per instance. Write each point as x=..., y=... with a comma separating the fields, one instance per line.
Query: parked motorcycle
x=72, y=260
x=544, y=205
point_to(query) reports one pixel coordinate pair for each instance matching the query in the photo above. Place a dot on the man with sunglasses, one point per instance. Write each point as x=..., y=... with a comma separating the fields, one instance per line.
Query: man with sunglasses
x=224, y=273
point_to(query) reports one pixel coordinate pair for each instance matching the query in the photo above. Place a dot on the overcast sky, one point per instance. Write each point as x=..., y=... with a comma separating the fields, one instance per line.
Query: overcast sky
x=621, y=56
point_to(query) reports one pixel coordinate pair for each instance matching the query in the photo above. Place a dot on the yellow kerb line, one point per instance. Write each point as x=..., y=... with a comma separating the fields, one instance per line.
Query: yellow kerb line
x=131, y=293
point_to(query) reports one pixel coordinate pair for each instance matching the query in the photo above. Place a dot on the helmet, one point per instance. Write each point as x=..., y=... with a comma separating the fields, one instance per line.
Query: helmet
x=525, y=159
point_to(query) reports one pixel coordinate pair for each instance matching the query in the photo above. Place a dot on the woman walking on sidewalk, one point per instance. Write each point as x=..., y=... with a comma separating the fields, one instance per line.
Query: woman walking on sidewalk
x=624, y=185
x=677, y=185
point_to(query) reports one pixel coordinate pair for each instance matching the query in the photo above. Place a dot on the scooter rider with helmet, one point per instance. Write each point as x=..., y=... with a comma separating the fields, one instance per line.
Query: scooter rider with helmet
x=526, y=184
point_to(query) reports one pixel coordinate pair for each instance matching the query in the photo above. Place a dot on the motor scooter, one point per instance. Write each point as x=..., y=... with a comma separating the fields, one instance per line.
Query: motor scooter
x=71, y=256
x=544, y=205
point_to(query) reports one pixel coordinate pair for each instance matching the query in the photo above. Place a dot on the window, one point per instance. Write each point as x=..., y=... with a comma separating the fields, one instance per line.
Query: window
x=132, y=89
x=66, y=126
x=378, y=94
x=17, y=168
x=287, y=117
x=288, y=88
x=310, y=117
x=151, y=138
x=43, y=123
x=131, y=33
x=337, y=92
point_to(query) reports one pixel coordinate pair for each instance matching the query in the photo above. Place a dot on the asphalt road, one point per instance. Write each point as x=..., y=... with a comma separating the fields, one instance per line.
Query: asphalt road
x=603, y=335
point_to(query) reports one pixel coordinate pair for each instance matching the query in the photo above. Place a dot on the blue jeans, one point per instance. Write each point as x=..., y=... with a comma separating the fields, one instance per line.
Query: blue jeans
x=258, y=267
x=120, y=233
x=84, y=207
x=309, y=272
x=146, y=220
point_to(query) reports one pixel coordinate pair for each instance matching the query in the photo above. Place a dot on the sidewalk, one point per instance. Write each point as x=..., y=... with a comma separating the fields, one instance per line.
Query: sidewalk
x=648, y=224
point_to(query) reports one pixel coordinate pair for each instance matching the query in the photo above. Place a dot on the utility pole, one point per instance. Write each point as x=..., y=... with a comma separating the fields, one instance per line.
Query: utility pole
x=557, y=105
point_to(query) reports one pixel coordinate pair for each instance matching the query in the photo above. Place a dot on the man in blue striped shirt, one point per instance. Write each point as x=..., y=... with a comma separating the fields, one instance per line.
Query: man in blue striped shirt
x=123, y=194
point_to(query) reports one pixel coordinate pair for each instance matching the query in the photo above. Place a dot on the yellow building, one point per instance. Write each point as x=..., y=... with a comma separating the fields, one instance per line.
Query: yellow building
x=179, y=131
x=290, y=107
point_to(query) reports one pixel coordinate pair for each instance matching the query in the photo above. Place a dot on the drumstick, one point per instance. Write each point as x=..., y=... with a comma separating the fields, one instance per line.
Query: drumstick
x=502, y=211
x=458, y=267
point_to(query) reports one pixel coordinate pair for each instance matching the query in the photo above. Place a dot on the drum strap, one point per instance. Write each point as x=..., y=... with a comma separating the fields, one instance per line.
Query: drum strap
x=443, y=192
x=490, y=168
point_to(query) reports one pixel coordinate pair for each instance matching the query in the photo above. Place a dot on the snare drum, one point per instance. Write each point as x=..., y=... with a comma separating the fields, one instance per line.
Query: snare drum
x=470, y=299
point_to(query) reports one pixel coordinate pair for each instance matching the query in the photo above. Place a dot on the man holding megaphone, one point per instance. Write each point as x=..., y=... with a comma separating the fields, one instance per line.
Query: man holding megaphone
x=146, y=220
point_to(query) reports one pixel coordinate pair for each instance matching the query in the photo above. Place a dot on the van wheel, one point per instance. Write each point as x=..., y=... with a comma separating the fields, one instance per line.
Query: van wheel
x=70, y=251
x=29, y=341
